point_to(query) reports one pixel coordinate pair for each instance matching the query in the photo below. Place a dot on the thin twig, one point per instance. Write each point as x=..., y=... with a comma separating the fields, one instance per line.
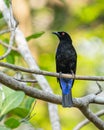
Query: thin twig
x=100, y=88
x=6, y=31
x=47, y=73
x=31, y=110
x=92, y=117
x=28, y=117
x=12, y=25
x=10, y=46
x=26, y=80
x=7, y=46
x=86, y=121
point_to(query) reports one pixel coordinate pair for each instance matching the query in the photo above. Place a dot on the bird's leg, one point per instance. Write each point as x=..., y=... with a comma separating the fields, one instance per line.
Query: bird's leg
x=60, y=75
x=58, y=78
x=72, y=73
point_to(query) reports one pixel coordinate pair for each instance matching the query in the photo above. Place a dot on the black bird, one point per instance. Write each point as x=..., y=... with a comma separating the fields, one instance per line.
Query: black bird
x=66, y=59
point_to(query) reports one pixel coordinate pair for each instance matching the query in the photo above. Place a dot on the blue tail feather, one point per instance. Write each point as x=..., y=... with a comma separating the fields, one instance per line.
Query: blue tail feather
x=66, y=85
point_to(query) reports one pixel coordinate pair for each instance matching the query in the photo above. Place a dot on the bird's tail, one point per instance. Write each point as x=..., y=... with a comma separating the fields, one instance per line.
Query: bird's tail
x=67, y=100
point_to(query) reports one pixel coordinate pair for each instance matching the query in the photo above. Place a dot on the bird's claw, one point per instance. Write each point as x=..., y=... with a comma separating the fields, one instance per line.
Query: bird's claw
x=60, y=75
x=73, y=75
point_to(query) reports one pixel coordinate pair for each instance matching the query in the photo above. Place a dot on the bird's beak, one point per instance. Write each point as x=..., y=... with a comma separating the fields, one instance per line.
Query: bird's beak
x=56, y=33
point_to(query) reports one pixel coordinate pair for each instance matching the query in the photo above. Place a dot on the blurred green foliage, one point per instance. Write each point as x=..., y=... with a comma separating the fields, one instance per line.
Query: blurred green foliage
x=83, y=20
x=7, y=2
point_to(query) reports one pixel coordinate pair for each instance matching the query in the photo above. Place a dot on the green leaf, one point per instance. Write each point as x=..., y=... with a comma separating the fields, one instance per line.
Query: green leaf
x=1, y=15
x=1, y=100
x=33, y=36
x=28, y=102
x=2, y=24
x=12, y=123
x=4, y=128
x=7, y=91
x=21, y=112
x=11, y=102
x=11, y=58
x=2, y=95
x=7, y=2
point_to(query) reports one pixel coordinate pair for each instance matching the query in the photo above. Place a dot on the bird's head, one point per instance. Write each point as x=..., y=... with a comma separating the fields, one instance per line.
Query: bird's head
x=62, y=36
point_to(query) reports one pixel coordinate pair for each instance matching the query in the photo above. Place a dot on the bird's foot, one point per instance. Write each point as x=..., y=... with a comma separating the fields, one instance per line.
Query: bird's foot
x=73, y=75
x=60, y=75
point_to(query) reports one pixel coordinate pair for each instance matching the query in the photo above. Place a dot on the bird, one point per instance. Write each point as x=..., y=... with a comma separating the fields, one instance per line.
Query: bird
x=66, y=62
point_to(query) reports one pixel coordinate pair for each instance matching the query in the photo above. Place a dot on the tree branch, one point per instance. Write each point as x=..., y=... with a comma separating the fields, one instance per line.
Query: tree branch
x=46, y=96
x=86, y=121
x=26, y=80
x=12, y=28
x=92, y=117
x=5, y=31
x=30, y=91
x=10, y=45
x=47, y=73
x=7, y=46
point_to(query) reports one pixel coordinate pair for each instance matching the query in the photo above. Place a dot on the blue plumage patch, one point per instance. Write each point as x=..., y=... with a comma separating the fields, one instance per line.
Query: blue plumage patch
x=66, y=85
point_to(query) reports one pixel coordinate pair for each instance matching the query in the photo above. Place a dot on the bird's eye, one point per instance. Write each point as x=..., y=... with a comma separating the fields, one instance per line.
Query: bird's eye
x=62, y=33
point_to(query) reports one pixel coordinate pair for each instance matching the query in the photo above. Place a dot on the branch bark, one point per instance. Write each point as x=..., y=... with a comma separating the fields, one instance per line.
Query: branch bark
x=46, y=96
x=93, y=118
x=86, y=121
x=28, y=90
x=7, y=46
x=5, y=31
x=12, y=26
x=52, y=74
